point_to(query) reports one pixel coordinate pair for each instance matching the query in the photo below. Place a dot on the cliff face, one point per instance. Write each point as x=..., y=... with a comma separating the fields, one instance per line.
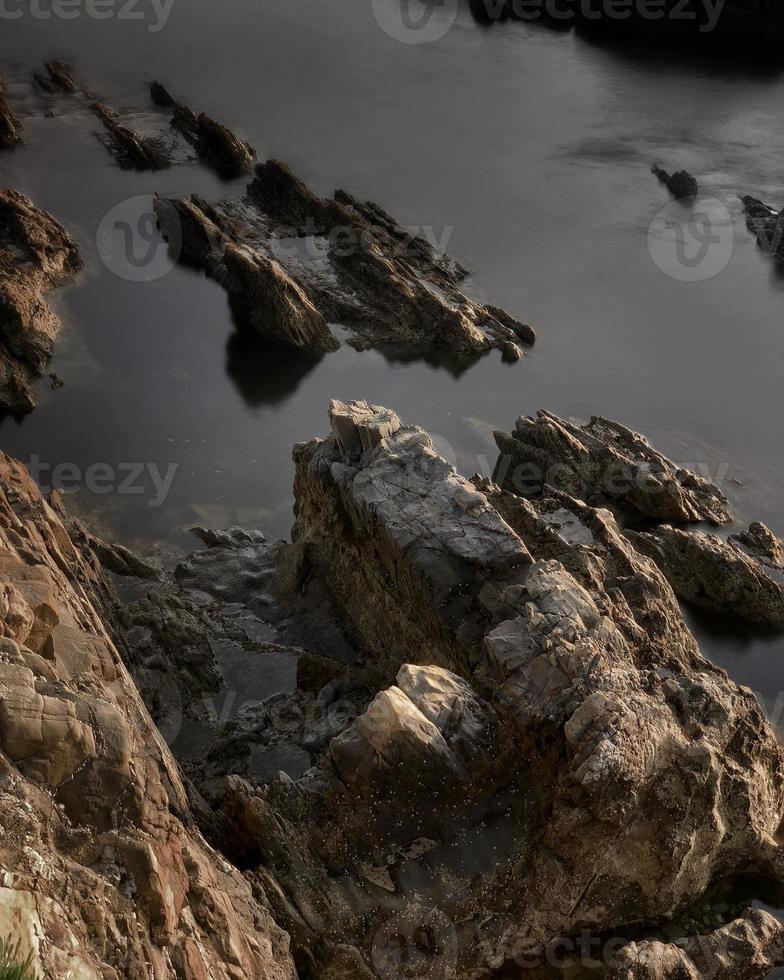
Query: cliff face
x=104, y=873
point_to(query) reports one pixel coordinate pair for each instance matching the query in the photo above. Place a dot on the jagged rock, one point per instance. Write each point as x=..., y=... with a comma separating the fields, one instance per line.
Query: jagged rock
x=680, y=184
x=398, y=520
x=603, y=462
x=215, y=144
x=746, y=949
x=765, y=223
x=104, y=873
x=352, y=262
x=625, y=774
x=743, y=575
x=10, y=124
x=132, y=150
x=36, y=253
x=264, y=295
x=60, y=78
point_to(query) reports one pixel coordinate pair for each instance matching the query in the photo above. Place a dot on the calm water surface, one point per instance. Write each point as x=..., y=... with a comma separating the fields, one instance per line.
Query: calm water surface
x=530, y=148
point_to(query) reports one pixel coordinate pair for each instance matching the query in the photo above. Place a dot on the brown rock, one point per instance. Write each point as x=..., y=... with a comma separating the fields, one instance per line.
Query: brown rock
x=36, y=253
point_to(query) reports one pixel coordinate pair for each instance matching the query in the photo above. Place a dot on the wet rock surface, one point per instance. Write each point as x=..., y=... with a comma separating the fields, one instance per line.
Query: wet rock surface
x=603, y=462
x=104, y=872
x=10, y=124
x=36, y=254
x=681, y=184
x=215, y=144
x=131, y=149
x=347, y=260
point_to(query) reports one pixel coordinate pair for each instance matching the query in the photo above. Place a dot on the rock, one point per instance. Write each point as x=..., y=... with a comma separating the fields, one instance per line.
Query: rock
x=746, y=949
x=765, y=223
x=353, y=263
x=36, y=253
x=603, y=462
x=266, y=298
x=215, y=144
x=61, y=77
x=104, y=873
x=397, y=522
x=743, y=575
x=680, y=184
x=541, y=713
x=10, y=124
x=131, y=150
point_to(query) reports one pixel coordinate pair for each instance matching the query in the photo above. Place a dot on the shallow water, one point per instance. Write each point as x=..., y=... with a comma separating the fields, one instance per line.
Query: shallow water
x=529, y=149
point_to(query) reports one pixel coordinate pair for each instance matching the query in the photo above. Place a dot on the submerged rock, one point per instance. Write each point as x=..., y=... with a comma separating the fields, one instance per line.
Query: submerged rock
x=215, y=144
x=350, y=261
x=132, y=150
x=104, y=872
x=603, y=462
x=36, y=254
x=743, y=575
x=680, y=184
x=10, y=124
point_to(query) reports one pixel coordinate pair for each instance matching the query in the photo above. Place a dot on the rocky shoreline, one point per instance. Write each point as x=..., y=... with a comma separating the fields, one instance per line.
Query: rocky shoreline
x=493, y=727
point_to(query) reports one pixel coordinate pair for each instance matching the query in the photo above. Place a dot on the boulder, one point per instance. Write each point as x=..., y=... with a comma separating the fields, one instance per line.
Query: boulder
x=743, y=575
x=680, y=184
x=603, y=462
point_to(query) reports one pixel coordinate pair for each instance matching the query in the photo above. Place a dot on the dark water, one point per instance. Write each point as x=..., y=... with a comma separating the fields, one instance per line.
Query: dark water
x=530, y=148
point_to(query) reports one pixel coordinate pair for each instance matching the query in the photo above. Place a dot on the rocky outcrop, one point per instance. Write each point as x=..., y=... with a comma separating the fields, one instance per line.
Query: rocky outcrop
x=539, y=713
x=10, y=125
x=131, y=149
x=765, y=223
x=351, y=261
x=680, y=184
x=59, y=78
x=264, y=296
x=603, y=462
x=215, y=144
x=104, y=873
x=746, y=949
x=743, y=575
x=36, y=254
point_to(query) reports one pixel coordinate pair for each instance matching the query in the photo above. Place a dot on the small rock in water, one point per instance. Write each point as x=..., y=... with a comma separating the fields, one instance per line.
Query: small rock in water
x=680, y=184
